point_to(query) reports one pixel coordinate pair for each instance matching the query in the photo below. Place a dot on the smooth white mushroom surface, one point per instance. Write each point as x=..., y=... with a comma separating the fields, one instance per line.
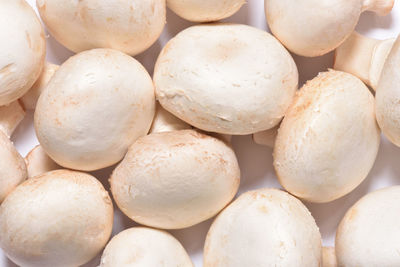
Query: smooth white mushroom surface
x=329, y=138
x=62, y=218
x=369, y=233
x=30, y=99
x=329, y=257
x=313, y=27
x=12, y=167
x=164, y=121
x=95, y=106
x=129, y=26
x=144, y=247
x=205, y=10
x=174, y=180
x=388, y=96
x=38, y=162
x=266, y=227
x=11, y=116
x=22, y=49
x=239, y=80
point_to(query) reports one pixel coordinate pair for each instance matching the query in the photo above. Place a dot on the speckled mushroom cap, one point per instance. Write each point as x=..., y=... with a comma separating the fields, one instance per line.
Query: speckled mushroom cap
x=144, y=247
x=329, y=138
x=313, y=27
x=12, y=167
x=22, y=49
x=95, y=106
x=369, y=233
x=129, y=26
x=239, y=80
x=62, y=218
x=174, y=180
x=266, y=227
x=205, y=10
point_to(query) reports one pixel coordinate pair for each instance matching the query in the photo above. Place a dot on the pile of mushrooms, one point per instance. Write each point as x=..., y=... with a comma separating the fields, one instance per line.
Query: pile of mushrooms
x=168, y=138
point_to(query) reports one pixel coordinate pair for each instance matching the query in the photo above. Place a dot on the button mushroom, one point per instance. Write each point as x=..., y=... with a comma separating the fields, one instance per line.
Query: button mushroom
x=38, y=162
x=11, y=116
x=166, y=122
x=266, y=138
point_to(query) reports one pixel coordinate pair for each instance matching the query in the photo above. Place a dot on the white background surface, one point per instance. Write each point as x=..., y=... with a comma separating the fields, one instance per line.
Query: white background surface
x=255, y=161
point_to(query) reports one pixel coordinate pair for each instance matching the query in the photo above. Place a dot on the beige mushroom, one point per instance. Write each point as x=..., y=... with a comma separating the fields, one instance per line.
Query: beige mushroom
x=166, y=122
x=129, y=26
x=11, y=116
x=266, y=227
x=210, y=88
x=388, y=96
x=329, y=138
x=369, y=233
x=174, y=180
x=312, y=27
x=95, y=106
x=266, y=138
x=30, y=99
x=38, y=162
x=329, y=257
x=23, y=49
x=144, y=247
x=63, y=218
x=205, y=10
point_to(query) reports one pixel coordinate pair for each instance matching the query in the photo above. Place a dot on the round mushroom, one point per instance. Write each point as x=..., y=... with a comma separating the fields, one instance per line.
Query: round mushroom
x=266, y=227
x=144, y=247
x=209, y=88
x=329, y=138
x=205, y=10
x=38, y=162
x=95, y=106
x=11, y=116
x=129, y=26
x=23, y=49
x=63, y=218
x=369, y=233
x=313, y=27
x=173, y=180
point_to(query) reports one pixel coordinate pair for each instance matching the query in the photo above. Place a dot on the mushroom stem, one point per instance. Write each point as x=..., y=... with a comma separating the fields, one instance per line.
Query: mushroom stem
x=10, y=116
x=363, y=57
x=380, y=7
x=266, y=138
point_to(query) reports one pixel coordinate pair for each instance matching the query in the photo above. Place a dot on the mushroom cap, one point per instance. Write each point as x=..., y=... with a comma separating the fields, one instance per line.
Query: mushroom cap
x=329, y=138
x=11, y=116
x=174, y=180
x=63, y=218
x=38, y=162
x=266, y=227
x=388, y=96
x=144, y=247
x=129, y=26
x=95, y=106
x=371, y=226
x=12, y=167
x=205, y=10
x=209, y=87
x=22, y=50
x=164, y=121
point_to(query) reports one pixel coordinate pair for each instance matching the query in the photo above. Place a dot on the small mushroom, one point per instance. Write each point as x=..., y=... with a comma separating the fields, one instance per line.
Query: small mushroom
x=266, y=138
x=63, y=218
x=205, y=10
x=11, y=116
x=369, y=233
x=23, y=49
x=329, y=138
x=210, y=89
x=95, y=106
x=129, y=26
x=313, y=27
x=173, y=180
x=266, y=227
x=30, y=99
x=38, y=162
x=329, y=257
x=166, y=122
x=144, y=247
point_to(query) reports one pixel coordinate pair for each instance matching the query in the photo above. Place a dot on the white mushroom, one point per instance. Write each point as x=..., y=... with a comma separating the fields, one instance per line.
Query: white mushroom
x=30, y=99
x=174, y=180
x=329, y=257
x=22, y=47
x=329, y=138
x=266, y=138
x=369, y=233
x=95, y=106
x=210, y=88
x=388, y=96
x=63, y=218
x=11, y=116
x=205, y=10
x=144, y=247
x=38, y=162
x=129, y=26
x=266, y=227
x=314, y=27
x=164, y=121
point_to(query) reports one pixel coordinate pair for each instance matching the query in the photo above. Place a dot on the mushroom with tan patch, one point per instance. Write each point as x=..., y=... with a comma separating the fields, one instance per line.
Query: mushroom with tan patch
x=38, y=162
